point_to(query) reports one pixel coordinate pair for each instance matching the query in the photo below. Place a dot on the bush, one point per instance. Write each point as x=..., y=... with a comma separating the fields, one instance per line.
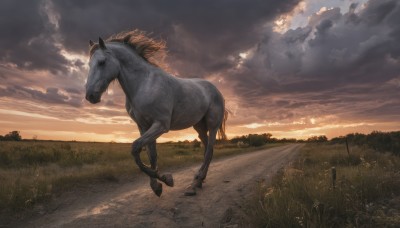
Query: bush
x=256, y=140
x=196, y=143
x=379, y=141
x=253, y=139
x=321, y=138
x=11, y=136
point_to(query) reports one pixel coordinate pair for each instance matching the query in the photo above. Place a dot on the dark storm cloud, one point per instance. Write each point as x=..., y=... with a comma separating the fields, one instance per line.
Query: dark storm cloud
x=350, y=57
x=200, y=35
x=27, y=37
x=377, y=11
x=51, y=96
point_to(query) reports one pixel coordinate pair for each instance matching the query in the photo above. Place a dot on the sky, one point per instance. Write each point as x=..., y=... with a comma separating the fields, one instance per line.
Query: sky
x=288, y=67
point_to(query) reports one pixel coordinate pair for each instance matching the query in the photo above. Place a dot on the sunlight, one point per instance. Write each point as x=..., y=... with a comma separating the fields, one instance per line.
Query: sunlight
x=320, y=130
x=105, y=120
x=19, y=113
x=189, y=137
x=254, y=125
x=110, y=91
x=299, y=122
x=243, y=55
x=83, y=136
x=282, y=24
x=74, y=57
x=322, y=10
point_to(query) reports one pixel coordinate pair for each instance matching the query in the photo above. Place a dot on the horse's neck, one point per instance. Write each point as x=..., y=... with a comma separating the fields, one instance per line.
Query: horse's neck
x=134, y=72
x=131, y=80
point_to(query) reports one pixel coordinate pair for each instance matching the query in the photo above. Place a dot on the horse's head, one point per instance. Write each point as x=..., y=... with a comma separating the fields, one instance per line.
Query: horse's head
x=104, y=68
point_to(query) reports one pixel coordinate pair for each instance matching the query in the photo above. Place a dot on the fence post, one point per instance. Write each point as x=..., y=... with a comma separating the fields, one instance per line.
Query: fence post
x=347, y=147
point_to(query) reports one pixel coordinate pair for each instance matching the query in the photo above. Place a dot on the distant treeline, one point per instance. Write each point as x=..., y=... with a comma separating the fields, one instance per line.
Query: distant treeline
x=379, y=141
x=261, y=139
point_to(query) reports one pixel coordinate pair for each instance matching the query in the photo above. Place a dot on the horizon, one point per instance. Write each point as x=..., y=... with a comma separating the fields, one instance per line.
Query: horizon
x=292, y=68
x=196, y=139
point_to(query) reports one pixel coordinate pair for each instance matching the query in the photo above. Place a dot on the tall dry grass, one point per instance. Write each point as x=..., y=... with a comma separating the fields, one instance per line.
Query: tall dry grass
x=365, y=194
x=32, y=172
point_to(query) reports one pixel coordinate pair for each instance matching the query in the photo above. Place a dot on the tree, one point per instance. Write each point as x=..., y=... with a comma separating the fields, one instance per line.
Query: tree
x=320, y=138
x=256, y=140
x=196, y=143
x=12, y=136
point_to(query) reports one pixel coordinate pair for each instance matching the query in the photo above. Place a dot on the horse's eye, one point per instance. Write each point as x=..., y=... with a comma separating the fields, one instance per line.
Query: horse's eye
x=101, y=63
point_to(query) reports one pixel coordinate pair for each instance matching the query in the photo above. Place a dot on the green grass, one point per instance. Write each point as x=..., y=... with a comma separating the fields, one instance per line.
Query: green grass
x=32, y=172
x=367, y=186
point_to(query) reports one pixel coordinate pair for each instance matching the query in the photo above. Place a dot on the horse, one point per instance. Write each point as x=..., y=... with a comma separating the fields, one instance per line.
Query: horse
x=156, y=100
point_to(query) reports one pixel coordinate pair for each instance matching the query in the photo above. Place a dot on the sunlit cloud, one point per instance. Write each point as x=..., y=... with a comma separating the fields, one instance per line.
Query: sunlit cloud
x=285, y=21
x=27, y=114
x=254, y=125
x=322, y=10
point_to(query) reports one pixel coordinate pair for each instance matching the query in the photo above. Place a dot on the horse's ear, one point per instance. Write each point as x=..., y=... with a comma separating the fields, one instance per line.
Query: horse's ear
x=91, y=43
x=101, y=43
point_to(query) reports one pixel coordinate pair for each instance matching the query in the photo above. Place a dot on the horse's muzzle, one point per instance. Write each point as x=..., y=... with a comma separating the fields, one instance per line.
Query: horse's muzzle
x=93, y=98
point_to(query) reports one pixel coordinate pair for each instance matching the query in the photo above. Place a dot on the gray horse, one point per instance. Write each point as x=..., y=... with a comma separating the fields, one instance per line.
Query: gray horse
x=155, y=100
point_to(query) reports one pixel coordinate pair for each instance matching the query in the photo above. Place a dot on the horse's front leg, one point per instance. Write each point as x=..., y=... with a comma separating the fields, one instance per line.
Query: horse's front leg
x=149, y=136
x=152, y=154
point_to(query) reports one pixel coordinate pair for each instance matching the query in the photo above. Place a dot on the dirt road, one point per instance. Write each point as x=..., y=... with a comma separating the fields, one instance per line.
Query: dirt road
x=228, y=183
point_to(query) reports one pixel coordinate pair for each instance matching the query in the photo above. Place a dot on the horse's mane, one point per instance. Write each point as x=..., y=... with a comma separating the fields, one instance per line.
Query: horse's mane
x=151, y=50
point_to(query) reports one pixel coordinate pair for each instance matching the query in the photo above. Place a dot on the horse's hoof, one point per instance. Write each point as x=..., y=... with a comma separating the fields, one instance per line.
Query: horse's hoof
x=168, y=179
x=190, y=191
x=199, y=184
x=157, y=188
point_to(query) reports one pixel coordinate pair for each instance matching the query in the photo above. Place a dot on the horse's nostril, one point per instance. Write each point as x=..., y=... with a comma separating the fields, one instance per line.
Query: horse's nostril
x=89, y=97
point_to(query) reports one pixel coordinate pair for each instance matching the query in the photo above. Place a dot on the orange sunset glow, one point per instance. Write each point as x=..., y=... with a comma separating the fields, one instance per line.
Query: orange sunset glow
x=291, y=68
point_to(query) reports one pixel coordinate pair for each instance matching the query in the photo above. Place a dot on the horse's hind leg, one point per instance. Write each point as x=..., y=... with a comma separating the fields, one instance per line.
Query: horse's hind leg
x=202, y=173
x=207, y=157
x=201, y=128
x=152, y=154
x=211, y=122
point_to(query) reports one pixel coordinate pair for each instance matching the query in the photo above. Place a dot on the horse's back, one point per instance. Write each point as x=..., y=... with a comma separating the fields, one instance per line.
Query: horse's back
x=193, y=99
x=202, y=91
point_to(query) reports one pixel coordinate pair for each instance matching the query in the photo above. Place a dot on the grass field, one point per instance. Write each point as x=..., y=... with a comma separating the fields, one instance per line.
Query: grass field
x=366, y=192
x=32, y=172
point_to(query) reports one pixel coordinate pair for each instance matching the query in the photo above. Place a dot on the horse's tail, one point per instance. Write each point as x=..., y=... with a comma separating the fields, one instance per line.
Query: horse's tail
x=221, y=131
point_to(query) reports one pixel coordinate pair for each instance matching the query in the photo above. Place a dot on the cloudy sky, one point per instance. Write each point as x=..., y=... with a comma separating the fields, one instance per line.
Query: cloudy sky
x=289, y=67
